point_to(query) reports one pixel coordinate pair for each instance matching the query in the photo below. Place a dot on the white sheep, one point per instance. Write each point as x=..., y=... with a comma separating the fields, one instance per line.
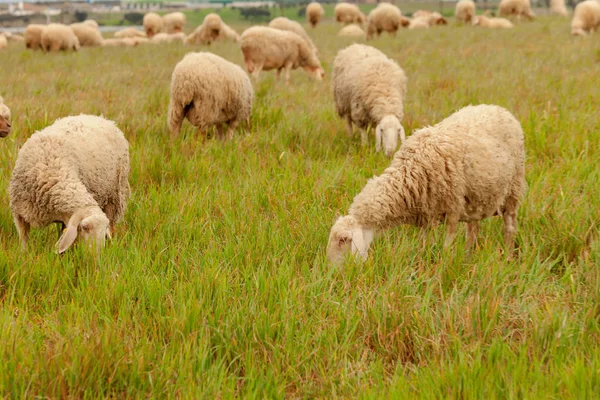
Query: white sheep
x=212, y=29
x=153, y=24
x=91, y=23
x=516, y=8
x=209, y=91
x=466, y=168
x=286, y=24
x=558, y=7
x=87, y=35
x=488, y=22
x=174, y=22
x=74, y=173
x=385, y=18
x=369, y=90
x=168, y=37
x=314, y=13
x=33, y=36
x=347, y=13
x=586, y=18
x=267, y=48
x=59, y=37
x=427, y=21
x=352, y=30
x=4, y=119
x=465, y=11
x=129, y=33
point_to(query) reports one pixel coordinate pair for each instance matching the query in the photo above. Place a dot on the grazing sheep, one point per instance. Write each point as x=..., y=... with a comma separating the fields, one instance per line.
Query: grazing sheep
x=153, y=24
x=91, y=23
x=168, y=37
x=352, y=30
x=174, y=22
x=33, y=36
x=516, y=8
x=586, y=18
x=314, y=13
x=3, y=42
x=347, y=13
x=129, y=33
x=59, y=37
x=384, y=18
x=286, y=24
x=369, y=90
x=209, y=90
x=431, y=19
x=466, y=168
x=208, y=32
x=12, y=37
x=465, y=11
x=417, y=23
x=558, y=7
x=421, y=13
x=120, y=42
x=87, y=35
x=73, y=173
x=4, y=119
x=228, y=33
x=488, y=22
x=267, y=48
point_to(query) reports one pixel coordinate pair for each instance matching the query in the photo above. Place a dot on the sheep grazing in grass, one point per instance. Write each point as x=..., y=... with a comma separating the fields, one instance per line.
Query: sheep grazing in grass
x=87, y=35
x=129, y=33
x=558, y=7
x=153, y=24
x=465, y=11
x=4, y=119
x=421, y=13
x=347, y=13
x=353, y=31
x=209, y=91
x=73, y=173
x=286, y=24
x=385, y=18
x=33, y=36
x=267, y=48
x=228, y=33
x=516, y=8
x=174, y=22
x=369, y=90
x=12, y=37
x=314, y=13
x=168, y=37
x=488, y=22
x=466, y=168
x=212, y=29
x=586, y=18
x=427, y=21
x=59, y=37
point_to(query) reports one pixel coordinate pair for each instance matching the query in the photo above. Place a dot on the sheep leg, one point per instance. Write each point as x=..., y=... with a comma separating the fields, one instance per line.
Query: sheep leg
x=231, y=129
x=472, y=232
x=22, y=229
x=256, y=72
x=288, y=67
x=363, y=137
x=220, y=131
x=451, y=225
x=377, y=140
x=510, y=229
x=349, y=123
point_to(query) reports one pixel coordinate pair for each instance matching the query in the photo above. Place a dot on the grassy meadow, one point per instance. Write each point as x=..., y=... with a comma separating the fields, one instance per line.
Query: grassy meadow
x=216, y=283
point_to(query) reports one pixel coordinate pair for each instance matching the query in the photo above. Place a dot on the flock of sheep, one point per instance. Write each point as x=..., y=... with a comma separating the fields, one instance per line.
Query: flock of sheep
x=468, y=167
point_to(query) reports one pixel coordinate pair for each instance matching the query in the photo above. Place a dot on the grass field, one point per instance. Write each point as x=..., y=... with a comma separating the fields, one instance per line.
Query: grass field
x=216, y=283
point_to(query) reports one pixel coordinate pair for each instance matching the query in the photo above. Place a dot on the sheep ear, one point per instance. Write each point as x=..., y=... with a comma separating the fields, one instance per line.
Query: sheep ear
x=68, y=236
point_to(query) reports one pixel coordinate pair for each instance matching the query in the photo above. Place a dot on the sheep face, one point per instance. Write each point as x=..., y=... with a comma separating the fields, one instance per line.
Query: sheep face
x=317, y=72
x=387, y=133
x=347, y=236
x=92, y=229
x=4, y=120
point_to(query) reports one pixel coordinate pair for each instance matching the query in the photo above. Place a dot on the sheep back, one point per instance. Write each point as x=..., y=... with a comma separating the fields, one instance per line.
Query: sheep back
x=87, y=35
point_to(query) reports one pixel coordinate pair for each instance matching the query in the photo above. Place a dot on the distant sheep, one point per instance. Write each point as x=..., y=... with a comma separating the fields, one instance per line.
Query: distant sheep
x=314, y=13
x=286, y=24
x=228, y=33
x=33, y=36
x=3, y=41
x=352, y=30
x=427, y=21
x=421, y=13
x=153, y=24
x=168, y=37
x=209, y=91
x=212, y=29
x=267, y=48
x=91, y=23
x=488, y=22
x=174, y=22
x=12, y=37
x=129, y=33
x=369, y=91
x=586, y=18
x=465, y=11
x=4, y=119
x=74, y=173
x=87, y=35
x=385, y=18
x=466, y=168
x=558, y=7
x=347, y=13
x=59, y=37
x=516, y=8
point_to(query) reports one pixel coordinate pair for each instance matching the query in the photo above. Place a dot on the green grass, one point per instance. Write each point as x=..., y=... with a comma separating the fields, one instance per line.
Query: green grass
x=216, y=283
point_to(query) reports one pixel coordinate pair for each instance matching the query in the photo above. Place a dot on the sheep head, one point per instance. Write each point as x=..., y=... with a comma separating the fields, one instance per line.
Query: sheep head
x=4, y=120
x=387, y=133
x=92, y=227
x=348, y=236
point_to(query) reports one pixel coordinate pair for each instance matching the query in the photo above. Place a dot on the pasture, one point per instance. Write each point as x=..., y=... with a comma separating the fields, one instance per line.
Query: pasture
x=216, y=283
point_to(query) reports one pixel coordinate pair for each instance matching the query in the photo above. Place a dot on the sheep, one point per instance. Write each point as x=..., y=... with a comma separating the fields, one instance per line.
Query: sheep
x=417, y=23
x=33, y=36
x=352, y=30
x=431, y=19
x=168, y=37
x=120, y=42
x=488, y=22
x=421, y=13
x=59, y=37
x=208, y=32
x=516, y=8
x=558, y=7
x=129, y=33
x=4, y=119
x=74, y=173
x=347, y=13
x=286, y=24
x=174, y=22
x=209, y=90
x=384, y=18
x=314, y=13
x=586, y=18
x=465, y=11
x=87, y=35
x=369, y=90
x=229, y=33
x=3, y=42
x=153, y=24
x=91, y=23
x=468, y=167
x=267, y=48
